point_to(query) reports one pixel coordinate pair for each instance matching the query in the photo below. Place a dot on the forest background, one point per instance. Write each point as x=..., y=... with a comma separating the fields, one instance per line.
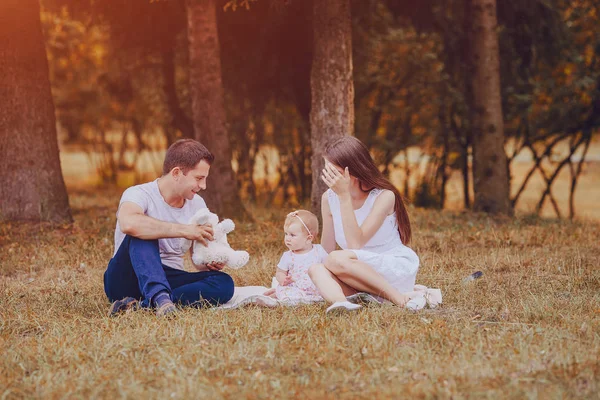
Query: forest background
x=122, y=94
x=93, y=91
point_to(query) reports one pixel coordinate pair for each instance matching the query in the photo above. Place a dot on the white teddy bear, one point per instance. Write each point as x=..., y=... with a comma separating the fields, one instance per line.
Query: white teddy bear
x=217, y=250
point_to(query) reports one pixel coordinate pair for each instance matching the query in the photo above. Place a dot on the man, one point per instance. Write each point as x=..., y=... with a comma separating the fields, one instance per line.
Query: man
x=152, y=225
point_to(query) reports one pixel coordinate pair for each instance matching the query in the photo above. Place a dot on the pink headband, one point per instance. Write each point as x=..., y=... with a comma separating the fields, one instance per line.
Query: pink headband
x=295, y=214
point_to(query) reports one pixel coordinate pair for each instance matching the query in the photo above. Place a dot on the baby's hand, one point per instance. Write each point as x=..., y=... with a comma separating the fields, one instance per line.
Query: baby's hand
x=287, y=280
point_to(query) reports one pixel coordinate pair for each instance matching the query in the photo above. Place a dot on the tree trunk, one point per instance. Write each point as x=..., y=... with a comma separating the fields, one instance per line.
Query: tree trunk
x=332, y=88
x=491, y=185
x=31, y=181
x=445, y=133
x=208, y=107
x=467, y=79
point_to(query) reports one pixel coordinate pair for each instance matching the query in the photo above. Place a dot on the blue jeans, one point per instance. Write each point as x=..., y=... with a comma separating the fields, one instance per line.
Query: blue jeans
x=136, y=271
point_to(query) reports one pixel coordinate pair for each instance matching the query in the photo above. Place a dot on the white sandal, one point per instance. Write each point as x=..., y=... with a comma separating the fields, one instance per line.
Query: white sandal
x=342, y=307
x=416, y=303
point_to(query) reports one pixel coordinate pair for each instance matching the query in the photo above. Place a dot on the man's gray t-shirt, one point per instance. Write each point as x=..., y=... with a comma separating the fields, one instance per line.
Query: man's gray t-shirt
x=148, y=197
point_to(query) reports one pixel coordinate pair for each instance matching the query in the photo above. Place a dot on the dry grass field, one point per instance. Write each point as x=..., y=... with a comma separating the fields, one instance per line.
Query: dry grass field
x=529, y=328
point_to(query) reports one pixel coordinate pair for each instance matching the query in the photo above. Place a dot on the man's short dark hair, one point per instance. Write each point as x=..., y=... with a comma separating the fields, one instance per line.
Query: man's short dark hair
x=186, y=154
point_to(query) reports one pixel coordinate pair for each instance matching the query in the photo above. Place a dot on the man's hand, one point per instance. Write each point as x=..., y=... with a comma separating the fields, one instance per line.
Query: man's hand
x=200, y=233
x=215, y=266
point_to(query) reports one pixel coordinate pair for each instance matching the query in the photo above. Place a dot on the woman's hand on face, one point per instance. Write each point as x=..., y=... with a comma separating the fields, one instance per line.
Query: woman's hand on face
x=338, y=182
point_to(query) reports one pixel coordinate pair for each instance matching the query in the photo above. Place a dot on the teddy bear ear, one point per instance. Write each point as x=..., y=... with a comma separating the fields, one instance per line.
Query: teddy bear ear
x=213, y=219
x=227, y=225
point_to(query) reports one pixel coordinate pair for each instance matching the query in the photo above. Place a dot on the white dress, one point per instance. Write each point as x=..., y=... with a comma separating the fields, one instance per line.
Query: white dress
x=384, y=252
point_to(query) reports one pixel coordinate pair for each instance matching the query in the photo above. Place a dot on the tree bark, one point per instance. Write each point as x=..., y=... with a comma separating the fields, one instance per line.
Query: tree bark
x=491, y=184
x=208, y=107
x=332, y=88
x=31, y=181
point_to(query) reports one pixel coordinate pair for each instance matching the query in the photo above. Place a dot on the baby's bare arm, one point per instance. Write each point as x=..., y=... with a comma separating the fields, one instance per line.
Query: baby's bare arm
x=282, y=277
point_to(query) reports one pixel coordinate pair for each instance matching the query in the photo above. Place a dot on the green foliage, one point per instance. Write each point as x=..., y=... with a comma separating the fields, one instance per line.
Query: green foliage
x=397, y=73
x=549, y=75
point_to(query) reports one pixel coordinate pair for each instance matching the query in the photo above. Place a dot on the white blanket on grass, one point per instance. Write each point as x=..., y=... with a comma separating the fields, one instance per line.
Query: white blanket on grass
x=253, y=295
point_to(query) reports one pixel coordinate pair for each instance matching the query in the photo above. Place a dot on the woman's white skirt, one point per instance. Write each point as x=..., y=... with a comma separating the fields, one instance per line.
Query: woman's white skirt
x=399, y=267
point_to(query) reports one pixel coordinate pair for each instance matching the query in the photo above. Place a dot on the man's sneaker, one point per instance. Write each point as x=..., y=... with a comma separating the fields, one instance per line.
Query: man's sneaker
x=124, y=305
x=164, y=306
x=167, y=309
x=342, y=307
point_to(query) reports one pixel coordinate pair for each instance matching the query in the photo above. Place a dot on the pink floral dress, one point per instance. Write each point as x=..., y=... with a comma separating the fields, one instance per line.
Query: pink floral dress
x=302, y=289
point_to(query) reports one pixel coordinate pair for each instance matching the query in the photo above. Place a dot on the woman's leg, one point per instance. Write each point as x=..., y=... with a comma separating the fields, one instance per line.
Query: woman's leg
x=331, y=288
x=361, y=276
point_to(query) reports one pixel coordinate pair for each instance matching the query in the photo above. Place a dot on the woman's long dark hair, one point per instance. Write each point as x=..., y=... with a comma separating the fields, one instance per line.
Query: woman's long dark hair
x=350, y=152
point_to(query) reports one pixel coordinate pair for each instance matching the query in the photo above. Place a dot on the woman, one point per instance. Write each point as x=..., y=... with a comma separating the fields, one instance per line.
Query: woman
x=365, y=215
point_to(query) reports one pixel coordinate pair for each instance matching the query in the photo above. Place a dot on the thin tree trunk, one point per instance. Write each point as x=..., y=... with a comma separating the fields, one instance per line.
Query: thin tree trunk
x=332, y=88
x=490, y=178
x=408, y=172
x=208, y=107
x=466, y=176
x=178, y=118
x=444, y=130
x=467, y=79
x=463, y=141
x=575, y=174
x=31, y=181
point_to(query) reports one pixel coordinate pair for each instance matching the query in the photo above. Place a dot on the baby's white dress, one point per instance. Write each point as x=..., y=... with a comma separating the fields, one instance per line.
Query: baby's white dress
x=302, y=289
x=385, y=252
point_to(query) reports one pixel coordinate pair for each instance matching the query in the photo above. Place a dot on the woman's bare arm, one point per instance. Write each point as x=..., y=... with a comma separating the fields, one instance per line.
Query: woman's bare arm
x=328, y=234
x=357, y=236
